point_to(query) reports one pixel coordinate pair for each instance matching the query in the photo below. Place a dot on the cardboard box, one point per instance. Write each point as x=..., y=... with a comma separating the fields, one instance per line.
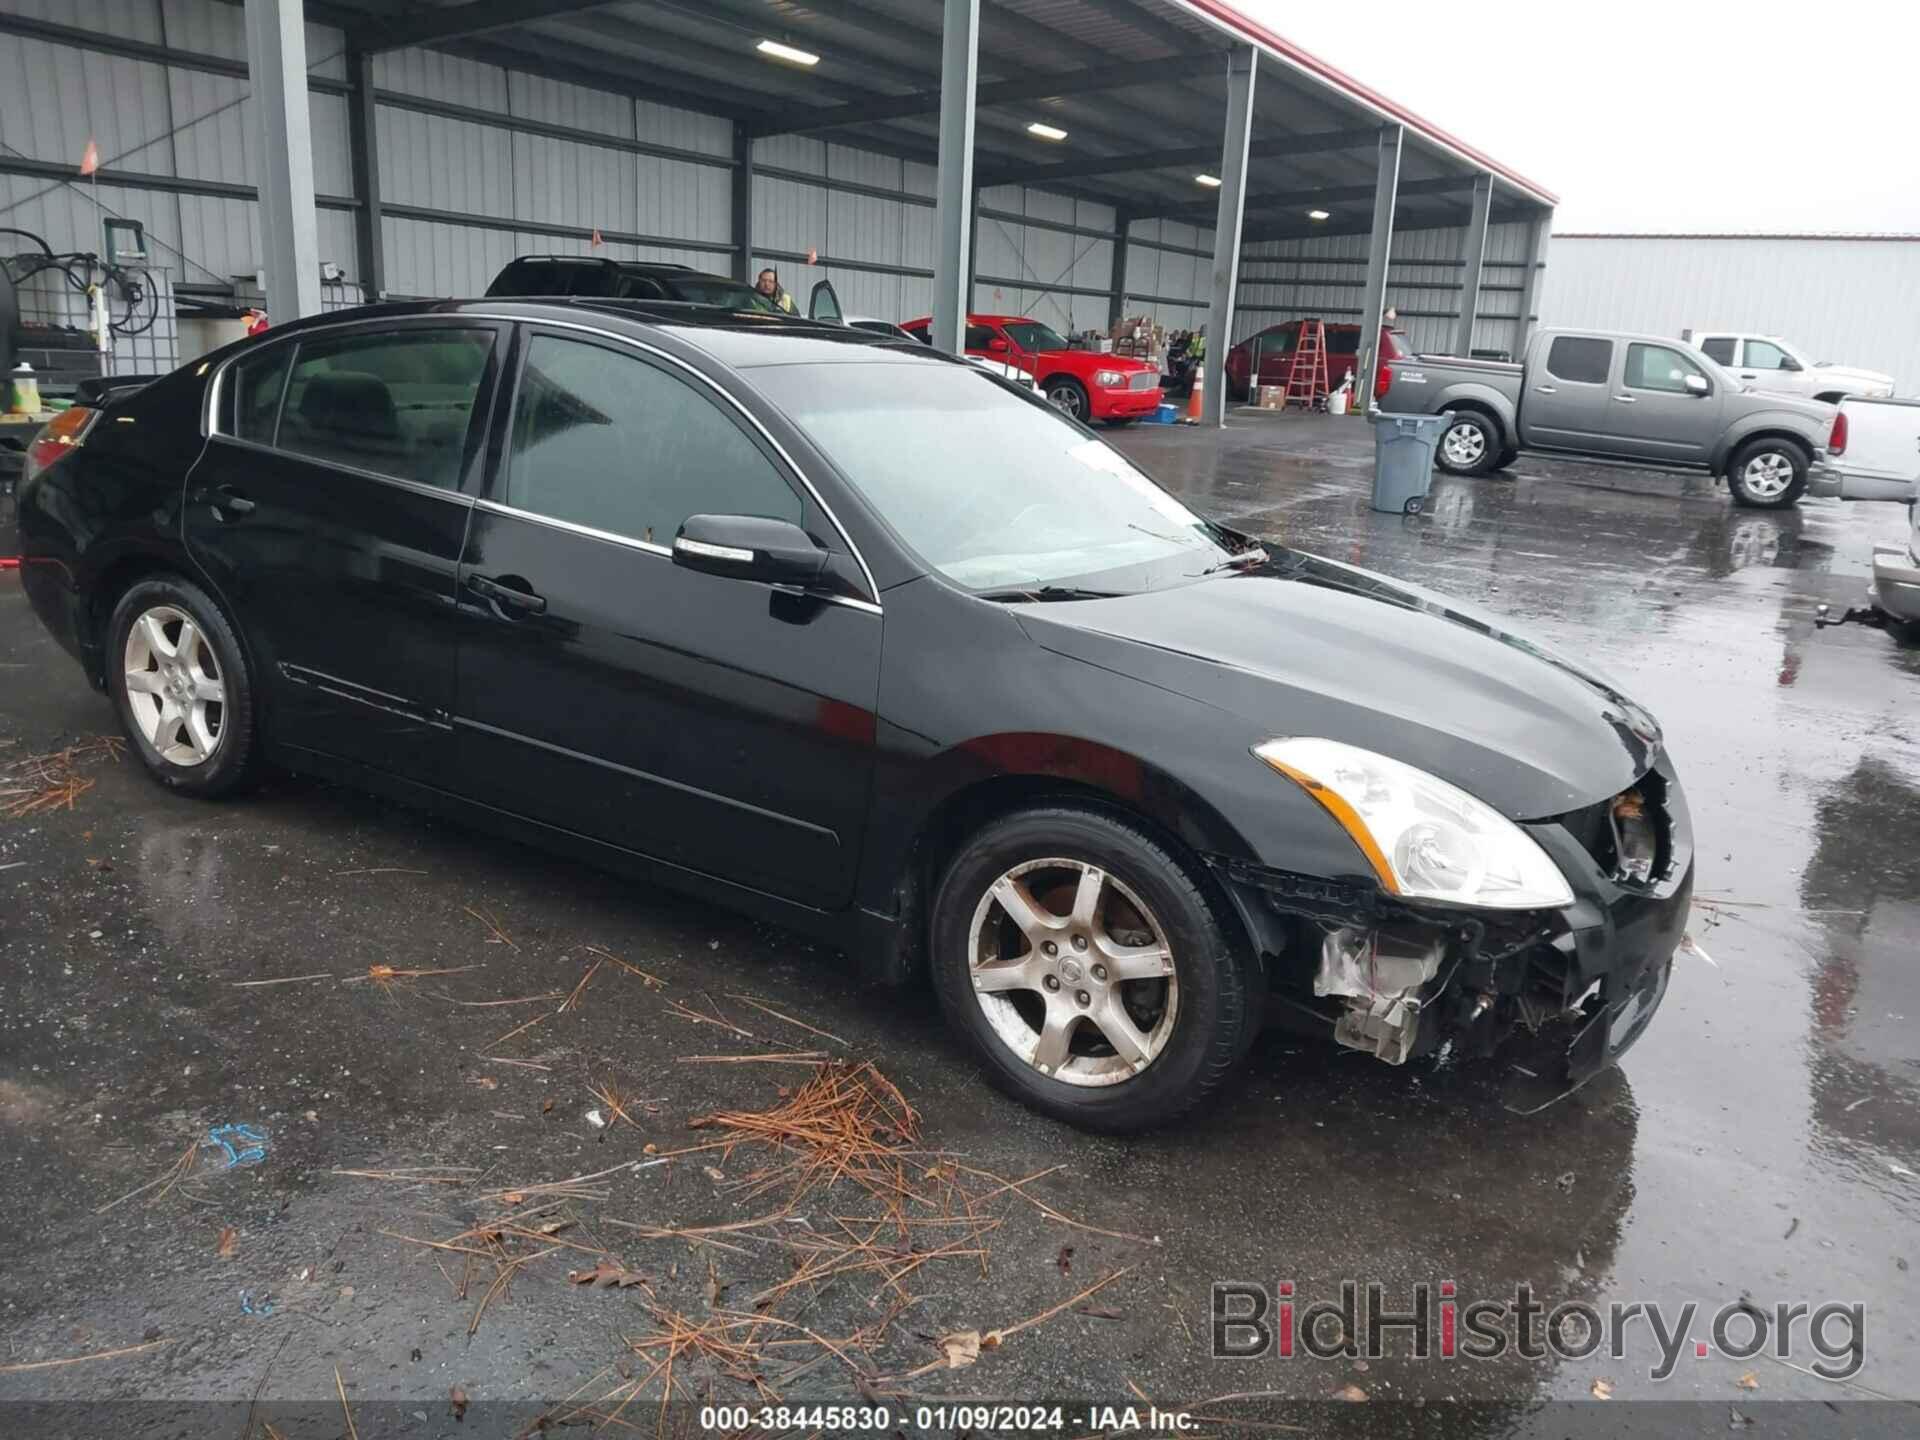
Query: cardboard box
x=1273, y=397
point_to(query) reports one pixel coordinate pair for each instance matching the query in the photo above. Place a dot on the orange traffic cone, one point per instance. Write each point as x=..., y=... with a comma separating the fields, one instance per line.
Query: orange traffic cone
x=1194, y=396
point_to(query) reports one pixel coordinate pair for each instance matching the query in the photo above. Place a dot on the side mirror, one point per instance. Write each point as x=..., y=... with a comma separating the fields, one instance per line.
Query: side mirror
x=1697, y=385
x=749, y=547
x=997, y=345
x=1787, y=362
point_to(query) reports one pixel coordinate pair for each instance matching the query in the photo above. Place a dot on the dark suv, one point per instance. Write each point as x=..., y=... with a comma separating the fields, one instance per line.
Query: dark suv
x=577, y=275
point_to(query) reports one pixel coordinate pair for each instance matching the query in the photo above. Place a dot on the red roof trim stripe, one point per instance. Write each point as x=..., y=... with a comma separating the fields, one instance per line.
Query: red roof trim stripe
x=1227, y=17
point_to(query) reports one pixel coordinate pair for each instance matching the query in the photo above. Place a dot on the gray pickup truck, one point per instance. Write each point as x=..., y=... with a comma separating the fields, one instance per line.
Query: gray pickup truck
x=1625, y=397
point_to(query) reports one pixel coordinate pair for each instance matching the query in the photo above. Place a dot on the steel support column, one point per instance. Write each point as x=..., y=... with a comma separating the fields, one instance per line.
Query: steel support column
x=953, y=210
x=1117, y=305
x=364, y=153
x=1539, y=230
x=1473, y=255
x=742, y=203
x=289, y=237
x=1373, y=309
x=1242, y=67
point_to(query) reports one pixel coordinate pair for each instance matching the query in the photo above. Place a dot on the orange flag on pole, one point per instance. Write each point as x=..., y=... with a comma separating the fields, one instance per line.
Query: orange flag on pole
x=90, y=161
x=596, y=242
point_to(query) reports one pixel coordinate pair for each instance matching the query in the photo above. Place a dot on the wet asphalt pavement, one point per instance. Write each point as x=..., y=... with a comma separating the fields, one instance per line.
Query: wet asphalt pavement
x=1761, y=1144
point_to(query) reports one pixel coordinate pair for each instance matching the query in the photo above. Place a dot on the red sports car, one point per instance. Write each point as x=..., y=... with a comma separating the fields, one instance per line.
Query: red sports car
x=1088, y=386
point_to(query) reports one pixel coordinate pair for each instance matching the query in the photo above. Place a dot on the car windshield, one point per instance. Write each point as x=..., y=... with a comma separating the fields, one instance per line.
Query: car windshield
x=995, y=491
x=1032, y=336
x=715, y=290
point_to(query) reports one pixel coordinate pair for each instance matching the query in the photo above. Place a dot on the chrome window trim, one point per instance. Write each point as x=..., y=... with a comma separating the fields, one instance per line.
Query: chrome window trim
x=215, y=385
x=418, y=487
x=645, y=547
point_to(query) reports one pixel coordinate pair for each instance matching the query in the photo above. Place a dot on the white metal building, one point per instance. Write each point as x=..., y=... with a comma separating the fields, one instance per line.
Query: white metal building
x=448, y=136
x=1849, y=299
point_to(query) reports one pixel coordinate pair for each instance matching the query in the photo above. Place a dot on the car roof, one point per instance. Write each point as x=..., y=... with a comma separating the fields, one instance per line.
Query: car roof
x=741, y=339
x=975, y=317
x=642, y=265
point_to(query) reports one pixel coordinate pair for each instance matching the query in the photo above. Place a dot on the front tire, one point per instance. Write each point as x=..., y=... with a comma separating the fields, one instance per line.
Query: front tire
x=180, y=683
x=1089, y=970
x=1767, y=474
x=1471, y=445
x=1069, y=396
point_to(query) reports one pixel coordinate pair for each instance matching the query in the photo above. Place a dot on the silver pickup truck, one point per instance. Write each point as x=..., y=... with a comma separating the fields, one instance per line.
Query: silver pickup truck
x=1625, y=397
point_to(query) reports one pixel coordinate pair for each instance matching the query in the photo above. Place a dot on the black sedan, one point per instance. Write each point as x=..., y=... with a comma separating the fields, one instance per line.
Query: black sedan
x=868, y=642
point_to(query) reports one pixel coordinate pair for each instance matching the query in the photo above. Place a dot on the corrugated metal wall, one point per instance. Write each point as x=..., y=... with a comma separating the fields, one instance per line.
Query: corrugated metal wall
x=1853, y=302
x=1325, y=277
x=465, y=194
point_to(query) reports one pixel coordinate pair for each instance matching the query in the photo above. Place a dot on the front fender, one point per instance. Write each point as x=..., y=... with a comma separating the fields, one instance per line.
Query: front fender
x=1771, y=420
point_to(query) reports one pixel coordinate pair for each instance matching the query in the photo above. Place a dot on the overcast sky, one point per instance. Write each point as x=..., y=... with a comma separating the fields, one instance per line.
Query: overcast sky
x=1738, y=115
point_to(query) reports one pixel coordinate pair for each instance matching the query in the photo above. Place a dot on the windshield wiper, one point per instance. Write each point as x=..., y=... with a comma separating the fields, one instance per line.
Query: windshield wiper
x=1046, y=592
x=1255, y=556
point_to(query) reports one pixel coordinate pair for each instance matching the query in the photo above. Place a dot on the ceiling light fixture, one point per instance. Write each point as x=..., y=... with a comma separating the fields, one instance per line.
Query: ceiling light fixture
x=1318, y=215
x=1212, y=182
x=1046, y=132
x=787, y=52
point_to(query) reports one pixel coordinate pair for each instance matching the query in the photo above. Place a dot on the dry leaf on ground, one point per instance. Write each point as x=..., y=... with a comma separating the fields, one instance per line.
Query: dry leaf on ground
x=962, y=1348
x=1603, y=1389
x=457, y=1403
x=1350, y=1392
x=607, y=1276
x=229, y=1245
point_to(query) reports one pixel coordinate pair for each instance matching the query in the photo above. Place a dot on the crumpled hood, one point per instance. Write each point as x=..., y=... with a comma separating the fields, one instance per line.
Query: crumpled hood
x=1308, y=646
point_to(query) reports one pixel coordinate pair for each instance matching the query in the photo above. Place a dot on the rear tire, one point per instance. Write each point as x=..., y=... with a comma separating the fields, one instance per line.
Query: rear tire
x=1111, y=899
x=180, y=683
x=1768, y=474
x=1471, y=445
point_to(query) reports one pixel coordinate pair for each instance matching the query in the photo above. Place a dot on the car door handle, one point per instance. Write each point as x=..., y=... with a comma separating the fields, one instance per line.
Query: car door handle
x=1626, y=400
x=511, y=596
x=1546, y=390
x=227, y=502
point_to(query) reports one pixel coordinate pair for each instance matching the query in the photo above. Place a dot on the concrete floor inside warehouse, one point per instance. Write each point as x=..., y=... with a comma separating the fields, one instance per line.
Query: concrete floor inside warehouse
x=1760, y=1143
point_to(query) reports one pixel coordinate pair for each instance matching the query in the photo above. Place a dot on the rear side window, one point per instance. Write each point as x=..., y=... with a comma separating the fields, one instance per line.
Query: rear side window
x=396, y=404
x=1719, y=349
x=1580, y=358
x=1343, y=339
x=250, y=402
x=611, y=442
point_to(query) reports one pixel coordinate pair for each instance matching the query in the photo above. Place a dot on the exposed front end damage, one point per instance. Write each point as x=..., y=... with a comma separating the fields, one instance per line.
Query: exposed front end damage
x=1560, y=994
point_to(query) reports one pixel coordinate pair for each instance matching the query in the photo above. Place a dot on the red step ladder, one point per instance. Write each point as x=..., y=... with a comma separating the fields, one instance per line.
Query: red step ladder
x=1307, y=382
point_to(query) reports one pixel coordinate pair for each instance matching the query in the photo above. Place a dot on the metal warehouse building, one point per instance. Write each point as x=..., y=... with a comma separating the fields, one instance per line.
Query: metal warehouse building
x=447, y=138
x=1849, y=299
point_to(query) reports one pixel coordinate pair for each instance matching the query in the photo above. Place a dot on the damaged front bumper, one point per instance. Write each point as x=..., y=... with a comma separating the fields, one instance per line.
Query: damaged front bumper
x=1561, y=993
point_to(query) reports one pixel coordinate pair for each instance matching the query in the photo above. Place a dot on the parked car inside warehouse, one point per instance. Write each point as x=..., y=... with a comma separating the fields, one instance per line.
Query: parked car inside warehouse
x=1614, y=396
x=1277, y=345
x=1085, y=384
x=616, y=580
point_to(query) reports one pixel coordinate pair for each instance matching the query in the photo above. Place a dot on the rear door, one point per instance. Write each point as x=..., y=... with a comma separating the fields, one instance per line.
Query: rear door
x=1655, y=415
x=720, y=725
x=1567, y=401
x=329, y=508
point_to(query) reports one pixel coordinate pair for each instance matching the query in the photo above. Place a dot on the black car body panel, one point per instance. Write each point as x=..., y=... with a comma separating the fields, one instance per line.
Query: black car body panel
x=807, y=755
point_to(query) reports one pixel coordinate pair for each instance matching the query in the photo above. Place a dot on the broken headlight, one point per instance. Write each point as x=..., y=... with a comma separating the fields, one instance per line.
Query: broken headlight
x=1424, y=839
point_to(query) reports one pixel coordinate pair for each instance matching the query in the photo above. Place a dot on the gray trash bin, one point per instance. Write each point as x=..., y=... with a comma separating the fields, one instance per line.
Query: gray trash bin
x=1403, y=447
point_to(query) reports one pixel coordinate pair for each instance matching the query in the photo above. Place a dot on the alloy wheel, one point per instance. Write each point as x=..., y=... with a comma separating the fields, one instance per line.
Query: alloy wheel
x=1073, y=972
x=1767, y=476
x=1065, y=398
x=1463, y=445
x=175, y=691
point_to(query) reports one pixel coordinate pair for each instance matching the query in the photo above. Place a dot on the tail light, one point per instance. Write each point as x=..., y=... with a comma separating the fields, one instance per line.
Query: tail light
x=1837, y=442
x=1382, y=380
x=59, y=435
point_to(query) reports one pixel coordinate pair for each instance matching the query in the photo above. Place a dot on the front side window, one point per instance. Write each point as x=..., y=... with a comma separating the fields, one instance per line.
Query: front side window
x=1765, y=355
x=980, y=337
x=993, y=490
x=1033, y=337
x=1657, y=367
x=604, y=439
x=397, y=403
x=1580, y=358
x=1718, y=349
